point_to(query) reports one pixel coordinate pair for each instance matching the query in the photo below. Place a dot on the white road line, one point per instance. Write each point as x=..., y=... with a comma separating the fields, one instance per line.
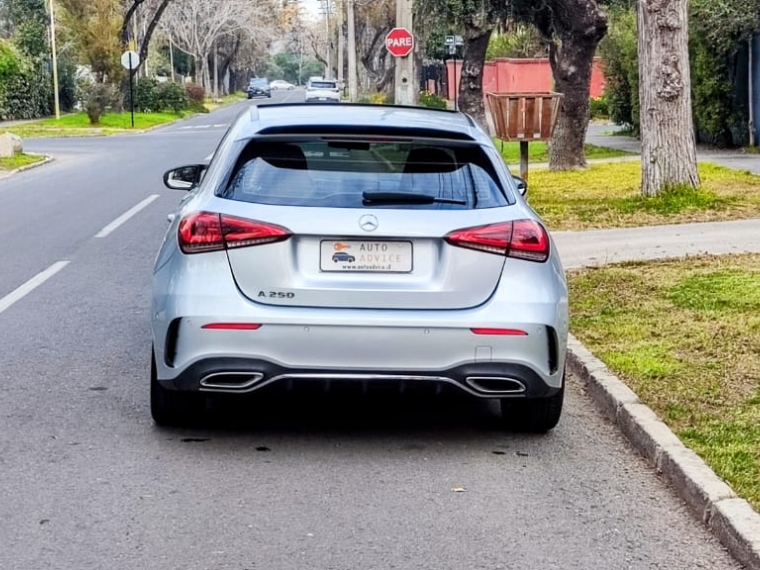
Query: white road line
x=125, y=216
x=186, y=127
x=31, y=285
x=220, y=125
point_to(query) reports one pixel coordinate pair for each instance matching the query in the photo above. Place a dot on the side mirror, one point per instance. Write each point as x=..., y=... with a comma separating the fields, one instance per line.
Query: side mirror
x=522, y=185
x=184, y=177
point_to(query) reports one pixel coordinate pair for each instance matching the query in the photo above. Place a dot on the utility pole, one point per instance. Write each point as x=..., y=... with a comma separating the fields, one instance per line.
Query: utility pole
x=341, y=42
x=406, y=88
x=171, y=54
x=55, y=62
x=326, y=4
x=216, y=70
x=353, y=83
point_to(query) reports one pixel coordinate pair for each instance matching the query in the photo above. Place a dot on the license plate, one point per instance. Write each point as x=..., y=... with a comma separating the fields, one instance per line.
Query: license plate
x=346, y=256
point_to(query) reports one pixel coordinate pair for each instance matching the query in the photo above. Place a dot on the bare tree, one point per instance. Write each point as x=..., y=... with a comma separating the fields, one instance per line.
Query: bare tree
x=668, y=148
x=196, y=26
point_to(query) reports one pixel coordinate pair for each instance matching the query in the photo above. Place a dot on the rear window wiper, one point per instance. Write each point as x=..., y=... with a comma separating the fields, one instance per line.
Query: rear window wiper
x=377, y=198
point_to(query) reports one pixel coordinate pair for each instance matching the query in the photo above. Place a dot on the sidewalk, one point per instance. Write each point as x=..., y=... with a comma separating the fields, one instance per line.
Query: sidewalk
x=600, y=135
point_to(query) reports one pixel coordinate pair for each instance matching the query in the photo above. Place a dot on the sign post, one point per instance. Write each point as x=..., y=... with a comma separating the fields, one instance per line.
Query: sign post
x=400, y=43
x=454, y=42
x=130, y=60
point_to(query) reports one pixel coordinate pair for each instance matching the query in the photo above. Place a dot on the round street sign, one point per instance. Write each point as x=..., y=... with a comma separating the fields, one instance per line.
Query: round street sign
x=125, y=60
x=399, y=42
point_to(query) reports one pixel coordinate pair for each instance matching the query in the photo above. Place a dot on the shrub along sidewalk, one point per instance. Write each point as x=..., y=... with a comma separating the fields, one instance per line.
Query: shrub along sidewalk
x=608, y=196
x=685, y=336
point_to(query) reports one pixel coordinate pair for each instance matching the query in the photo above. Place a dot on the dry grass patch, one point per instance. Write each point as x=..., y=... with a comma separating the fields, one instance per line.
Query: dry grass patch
x=685, y=336
x=608, y=196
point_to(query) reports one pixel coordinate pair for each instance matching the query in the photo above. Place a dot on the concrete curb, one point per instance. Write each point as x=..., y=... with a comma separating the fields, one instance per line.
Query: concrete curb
x=43, y=162
x=731, y=519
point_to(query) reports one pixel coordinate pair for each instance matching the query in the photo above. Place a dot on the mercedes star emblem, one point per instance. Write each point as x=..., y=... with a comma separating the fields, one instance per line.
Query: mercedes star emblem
x=368, y=223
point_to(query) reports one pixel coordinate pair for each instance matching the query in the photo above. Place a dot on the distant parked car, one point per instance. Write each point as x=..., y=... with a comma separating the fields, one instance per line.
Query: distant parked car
x=323, y=90
x=281, y=84
x=259, y=87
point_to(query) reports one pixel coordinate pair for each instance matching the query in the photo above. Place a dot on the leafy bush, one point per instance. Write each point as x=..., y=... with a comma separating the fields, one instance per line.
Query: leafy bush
x=619, y=49
x=172, y=97
x=68, y=94
x=27, y=94
x=146, y=95
x=432, y=100
x=195, y=93
x=599, y=107
x=521, y=41
x=98, y=98
x=155, y=97
x=9, y=62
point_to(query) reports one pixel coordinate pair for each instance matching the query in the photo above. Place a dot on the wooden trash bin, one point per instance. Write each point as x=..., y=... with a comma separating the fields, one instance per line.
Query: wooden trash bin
x=524, y=117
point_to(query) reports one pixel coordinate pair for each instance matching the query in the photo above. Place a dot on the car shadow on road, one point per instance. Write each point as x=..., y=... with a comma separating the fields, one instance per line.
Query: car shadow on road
x=374, y=413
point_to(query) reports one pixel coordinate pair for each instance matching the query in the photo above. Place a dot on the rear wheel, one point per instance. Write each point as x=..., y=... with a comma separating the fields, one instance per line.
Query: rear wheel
x=168, y=407
x=538, y=415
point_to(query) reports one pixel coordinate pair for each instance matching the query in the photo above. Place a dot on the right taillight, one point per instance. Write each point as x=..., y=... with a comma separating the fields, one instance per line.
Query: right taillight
x=522, y=239
x=207, y=231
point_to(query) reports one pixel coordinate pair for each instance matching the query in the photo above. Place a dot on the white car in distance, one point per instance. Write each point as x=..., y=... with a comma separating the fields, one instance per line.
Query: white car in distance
x=323, y=90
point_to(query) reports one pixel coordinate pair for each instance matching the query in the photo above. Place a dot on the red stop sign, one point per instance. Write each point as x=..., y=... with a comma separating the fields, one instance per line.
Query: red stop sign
x=399, y=42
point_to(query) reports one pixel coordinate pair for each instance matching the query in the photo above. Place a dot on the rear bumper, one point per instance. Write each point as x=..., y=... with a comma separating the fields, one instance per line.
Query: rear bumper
x=245, y=375
x=193, y=358
x=360, y=344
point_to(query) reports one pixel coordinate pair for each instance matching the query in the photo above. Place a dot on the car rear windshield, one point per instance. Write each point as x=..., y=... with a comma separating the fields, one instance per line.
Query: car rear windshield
x=361, y=174
x=322, y=85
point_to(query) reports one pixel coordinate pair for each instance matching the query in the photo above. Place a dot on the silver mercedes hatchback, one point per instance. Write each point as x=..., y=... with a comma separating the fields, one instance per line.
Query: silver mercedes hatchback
x=358, y=244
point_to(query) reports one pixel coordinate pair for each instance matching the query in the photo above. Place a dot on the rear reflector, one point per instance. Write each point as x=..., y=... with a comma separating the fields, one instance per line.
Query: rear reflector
x=522, y=239
x=207, y=231
x=232, y=326
x=499, y=332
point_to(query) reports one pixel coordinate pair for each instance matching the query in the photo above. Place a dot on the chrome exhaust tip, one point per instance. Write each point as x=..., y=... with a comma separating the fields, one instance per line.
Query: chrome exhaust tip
x=496, y=385
x=230, y=381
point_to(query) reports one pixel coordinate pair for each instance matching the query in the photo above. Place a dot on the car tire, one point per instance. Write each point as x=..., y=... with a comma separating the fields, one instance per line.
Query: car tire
x=537, y=415
x=169, y=408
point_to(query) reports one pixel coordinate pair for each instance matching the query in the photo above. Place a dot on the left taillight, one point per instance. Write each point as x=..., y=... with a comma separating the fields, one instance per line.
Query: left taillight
x=207, y=231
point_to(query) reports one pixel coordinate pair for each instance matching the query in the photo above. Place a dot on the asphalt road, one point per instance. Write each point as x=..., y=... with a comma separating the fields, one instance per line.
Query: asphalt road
x=87, y=481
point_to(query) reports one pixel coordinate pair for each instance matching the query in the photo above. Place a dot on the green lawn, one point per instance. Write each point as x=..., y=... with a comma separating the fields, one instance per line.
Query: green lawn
x=19, y=160
x=212, y=105
x=608, y=196
x=685, y=336
x=539, y=151
x=78, y=124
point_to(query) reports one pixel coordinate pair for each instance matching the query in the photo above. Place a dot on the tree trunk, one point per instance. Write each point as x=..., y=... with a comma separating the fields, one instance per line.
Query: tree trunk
x=668, y=148
x=571, y=63
x=471, y=80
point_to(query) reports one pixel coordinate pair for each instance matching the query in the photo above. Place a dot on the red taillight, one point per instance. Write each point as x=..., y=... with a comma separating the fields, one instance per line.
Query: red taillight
x=200, y=232
x=499, y=332
x=206, y=231
x=232, y=326
x=529, y=241
x=523, y=239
